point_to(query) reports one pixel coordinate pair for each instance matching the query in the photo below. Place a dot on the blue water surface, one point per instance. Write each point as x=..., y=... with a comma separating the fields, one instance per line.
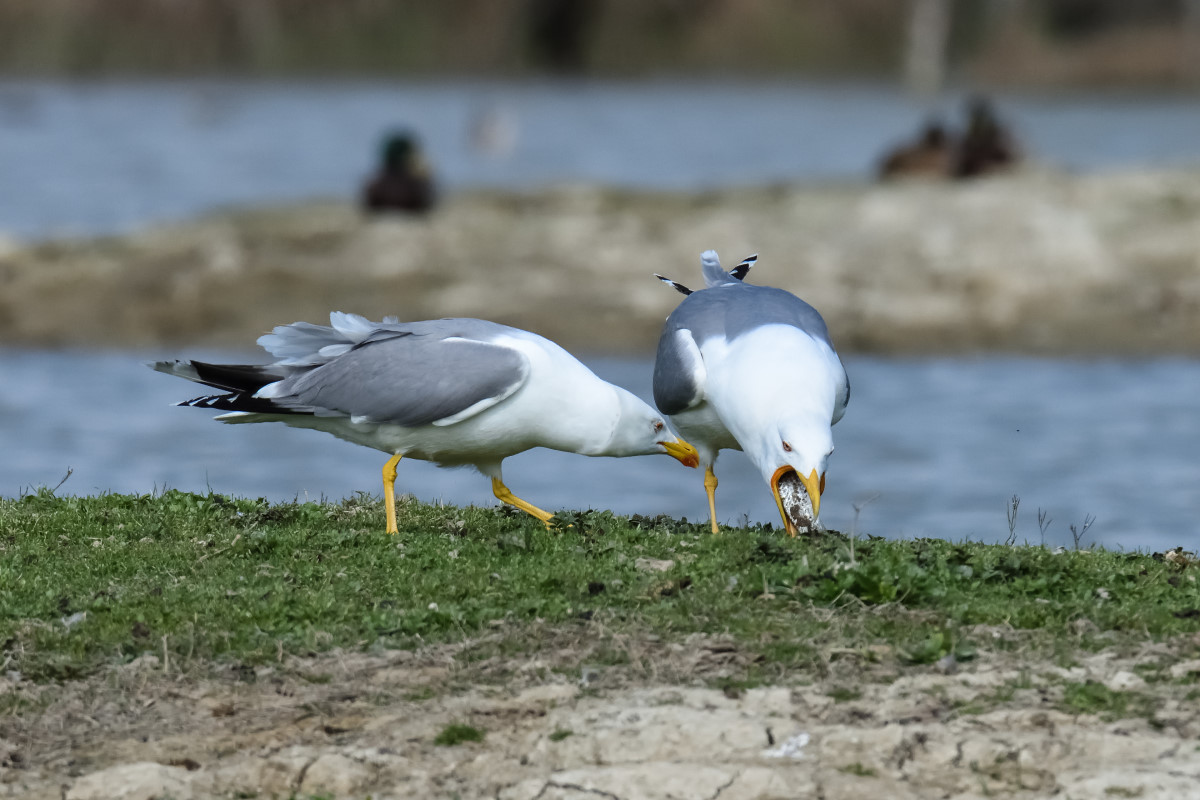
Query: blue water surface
x=103, y=157
x=928, y=447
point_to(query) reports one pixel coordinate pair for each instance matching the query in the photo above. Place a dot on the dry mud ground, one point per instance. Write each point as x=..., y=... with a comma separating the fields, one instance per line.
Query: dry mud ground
x=1030, y=262
x=353, y=725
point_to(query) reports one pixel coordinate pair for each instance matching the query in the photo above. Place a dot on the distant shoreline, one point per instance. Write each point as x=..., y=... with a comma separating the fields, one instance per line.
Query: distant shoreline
x=1062, y=44
x=1035, y=262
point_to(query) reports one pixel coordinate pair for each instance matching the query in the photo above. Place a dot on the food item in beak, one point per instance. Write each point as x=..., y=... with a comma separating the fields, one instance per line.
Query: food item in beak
x=796, y=502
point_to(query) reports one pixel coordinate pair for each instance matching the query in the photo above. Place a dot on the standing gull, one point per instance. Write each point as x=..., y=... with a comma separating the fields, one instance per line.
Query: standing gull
x=752, y=368
x=452, y=391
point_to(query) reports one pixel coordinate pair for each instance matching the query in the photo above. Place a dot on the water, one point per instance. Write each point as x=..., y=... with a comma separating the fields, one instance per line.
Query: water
x=82, y=158
x=928, y=447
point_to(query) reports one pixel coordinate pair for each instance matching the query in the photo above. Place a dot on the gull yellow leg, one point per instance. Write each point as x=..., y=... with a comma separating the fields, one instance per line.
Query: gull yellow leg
x=389, y=491
x=504, y=495
x=710, y=488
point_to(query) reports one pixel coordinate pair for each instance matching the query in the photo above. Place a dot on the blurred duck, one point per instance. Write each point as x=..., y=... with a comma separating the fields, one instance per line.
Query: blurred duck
x=931, y=155
x=404, y=181
x=987, y=145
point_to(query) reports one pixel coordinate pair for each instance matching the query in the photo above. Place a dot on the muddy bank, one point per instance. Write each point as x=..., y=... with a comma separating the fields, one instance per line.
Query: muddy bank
x=1036, y=262
x=352, y=725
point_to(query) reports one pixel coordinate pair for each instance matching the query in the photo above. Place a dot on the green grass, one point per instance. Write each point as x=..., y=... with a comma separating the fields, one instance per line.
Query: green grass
x=1092, y=697
x=457, y=734
x=88, y=581
x=858, y=769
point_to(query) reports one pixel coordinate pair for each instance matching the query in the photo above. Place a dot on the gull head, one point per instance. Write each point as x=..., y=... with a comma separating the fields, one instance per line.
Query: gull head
x=793, y=461
x=640, y=430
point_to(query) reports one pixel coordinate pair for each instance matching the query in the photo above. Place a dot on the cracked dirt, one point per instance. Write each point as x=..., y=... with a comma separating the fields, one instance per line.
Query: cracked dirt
x=352, y=725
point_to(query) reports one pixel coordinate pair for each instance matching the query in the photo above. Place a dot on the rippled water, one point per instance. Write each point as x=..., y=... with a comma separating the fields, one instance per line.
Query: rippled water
x=928, y=447
x=104, y=157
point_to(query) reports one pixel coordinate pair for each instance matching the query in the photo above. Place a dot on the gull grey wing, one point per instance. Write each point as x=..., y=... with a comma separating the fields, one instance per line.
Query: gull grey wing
x=735, y=308
x=679, y=371
x=843, y=396
x=406, y=379
x=728, y=310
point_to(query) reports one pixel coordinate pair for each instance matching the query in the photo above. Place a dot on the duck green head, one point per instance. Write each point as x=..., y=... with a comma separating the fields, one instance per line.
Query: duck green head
x=400, y=151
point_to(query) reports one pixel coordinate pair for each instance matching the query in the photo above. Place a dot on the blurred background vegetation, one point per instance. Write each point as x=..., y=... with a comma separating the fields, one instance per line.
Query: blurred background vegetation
x=997, y=42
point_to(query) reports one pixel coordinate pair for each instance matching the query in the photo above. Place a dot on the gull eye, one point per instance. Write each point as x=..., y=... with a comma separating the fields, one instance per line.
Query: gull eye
x=787, y=448
x=658, y=426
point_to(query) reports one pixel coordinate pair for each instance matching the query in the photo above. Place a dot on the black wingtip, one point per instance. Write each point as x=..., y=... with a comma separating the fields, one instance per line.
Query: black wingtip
x=679, y=287
x=238, y=401
x=743, y=268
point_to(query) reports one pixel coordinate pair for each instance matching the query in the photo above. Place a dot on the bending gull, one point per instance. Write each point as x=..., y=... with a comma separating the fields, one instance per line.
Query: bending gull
x=452, y=391
x=752, y=368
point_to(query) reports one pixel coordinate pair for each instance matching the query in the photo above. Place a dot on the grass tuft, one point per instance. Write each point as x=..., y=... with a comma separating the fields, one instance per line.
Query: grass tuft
x=858, y=769
x=1092, y=697
x=842, y=694
x=456, y=733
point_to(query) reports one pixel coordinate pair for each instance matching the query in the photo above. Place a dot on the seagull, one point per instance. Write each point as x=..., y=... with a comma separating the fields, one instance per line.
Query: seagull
x=452, y=391
x=752, y=368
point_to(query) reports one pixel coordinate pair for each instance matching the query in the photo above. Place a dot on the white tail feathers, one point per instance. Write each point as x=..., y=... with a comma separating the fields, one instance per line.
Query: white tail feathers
x=353, y=327
x=714, y=275
x=302, y=343
x=710, y=265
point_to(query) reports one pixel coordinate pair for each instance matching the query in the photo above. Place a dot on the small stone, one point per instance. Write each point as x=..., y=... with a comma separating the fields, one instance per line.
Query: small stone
x=796, y=502
x=333, y=773
x=74, y=619
x=1124, y=681
x=947, y=664
x=588, y=675
x=1185, y=668
x=140, y=781
x=792, y=747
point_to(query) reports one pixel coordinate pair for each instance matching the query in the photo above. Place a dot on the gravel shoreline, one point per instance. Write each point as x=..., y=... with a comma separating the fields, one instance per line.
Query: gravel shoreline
x=1035, y=262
